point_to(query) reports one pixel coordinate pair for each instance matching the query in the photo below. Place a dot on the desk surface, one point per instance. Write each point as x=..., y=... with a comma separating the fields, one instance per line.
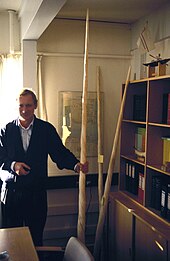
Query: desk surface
x=18, y=243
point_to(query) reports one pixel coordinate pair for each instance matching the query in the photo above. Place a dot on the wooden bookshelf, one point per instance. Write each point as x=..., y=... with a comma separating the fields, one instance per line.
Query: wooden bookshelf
x=153, y=89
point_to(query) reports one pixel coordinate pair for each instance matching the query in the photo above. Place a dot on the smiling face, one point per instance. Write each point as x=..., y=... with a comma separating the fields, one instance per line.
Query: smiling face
x=26, y=109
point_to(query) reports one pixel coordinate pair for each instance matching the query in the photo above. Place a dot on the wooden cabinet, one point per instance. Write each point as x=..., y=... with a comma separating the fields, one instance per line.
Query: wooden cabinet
x=143, y=171
x=134, y=233
x=119, y=232
x=149, y=244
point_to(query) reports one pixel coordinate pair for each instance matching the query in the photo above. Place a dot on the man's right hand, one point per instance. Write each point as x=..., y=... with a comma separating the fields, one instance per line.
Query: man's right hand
x=82, y=167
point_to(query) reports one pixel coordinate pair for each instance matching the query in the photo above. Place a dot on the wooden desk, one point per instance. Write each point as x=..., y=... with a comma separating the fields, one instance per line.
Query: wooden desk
x=18, y=243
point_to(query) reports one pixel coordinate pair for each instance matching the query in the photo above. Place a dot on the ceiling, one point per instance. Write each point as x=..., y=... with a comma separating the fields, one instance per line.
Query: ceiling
x=122, y=11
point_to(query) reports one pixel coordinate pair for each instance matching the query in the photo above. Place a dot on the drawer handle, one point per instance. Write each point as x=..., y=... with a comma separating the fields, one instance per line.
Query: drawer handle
x=131, y=210
x=159, y=245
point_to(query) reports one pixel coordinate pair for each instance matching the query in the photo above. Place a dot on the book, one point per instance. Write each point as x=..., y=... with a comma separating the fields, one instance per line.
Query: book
x=140, y=144
x=166, y=150
x=140, y=139
x=152, y=204
x=135, y=180
x=166, y=108
x=158, y=185
x=156, y=192
x=141, y=187
x=168, y=203
x=139, y=107
x=127, y=176
x=130, y=177
x=164, y=194
x=168, y=112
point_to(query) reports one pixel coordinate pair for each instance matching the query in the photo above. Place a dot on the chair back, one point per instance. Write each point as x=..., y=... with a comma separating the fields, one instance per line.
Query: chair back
x=77, y=251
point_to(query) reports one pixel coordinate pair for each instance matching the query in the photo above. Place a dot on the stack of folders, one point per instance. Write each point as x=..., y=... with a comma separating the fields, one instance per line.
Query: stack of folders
x=132, y=177
x=160, y=196
x=165, y=201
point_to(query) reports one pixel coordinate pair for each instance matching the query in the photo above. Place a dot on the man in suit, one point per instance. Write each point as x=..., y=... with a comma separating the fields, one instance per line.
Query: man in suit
x=25, y=144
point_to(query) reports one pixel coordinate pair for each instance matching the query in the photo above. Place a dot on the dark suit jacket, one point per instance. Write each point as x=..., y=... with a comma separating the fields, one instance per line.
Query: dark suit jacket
x=44, y=141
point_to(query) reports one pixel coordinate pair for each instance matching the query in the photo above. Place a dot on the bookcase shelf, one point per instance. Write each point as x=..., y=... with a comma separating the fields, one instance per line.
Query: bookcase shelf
x=159, y=125
x=158, y=169
x=132, y=158
x=146, y=129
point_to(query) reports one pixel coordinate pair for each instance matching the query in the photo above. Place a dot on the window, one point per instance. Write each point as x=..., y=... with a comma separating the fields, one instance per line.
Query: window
x=10, y=84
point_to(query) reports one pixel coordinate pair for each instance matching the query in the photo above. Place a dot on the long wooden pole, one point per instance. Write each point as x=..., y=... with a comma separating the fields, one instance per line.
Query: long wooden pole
x=100, y=155
x=82, y=177
x=105, y=197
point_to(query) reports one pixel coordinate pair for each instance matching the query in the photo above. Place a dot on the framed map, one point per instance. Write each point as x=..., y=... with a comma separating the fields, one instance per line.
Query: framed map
x=71, y=117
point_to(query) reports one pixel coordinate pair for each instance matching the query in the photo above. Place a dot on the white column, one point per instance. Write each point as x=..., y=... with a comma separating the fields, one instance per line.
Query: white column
x=29, y=53
x=11, y=30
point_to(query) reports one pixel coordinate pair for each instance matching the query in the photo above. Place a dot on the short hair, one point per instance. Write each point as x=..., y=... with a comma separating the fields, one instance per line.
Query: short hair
x=27, y=91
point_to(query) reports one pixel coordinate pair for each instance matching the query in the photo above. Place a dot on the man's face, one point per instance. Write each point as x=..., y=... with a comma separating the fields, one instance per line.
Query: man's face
x=26, y=108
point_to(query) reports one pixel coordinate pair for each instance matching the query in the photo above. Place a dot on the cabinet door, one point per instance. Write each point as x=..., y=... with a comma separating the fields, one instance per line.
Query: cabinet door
x=149, y=244
x=120, y=233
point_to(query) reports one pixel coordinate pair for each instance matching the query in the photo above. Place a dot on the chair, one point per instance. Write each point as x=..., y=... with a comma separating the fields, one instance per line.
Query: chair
x=75, y=251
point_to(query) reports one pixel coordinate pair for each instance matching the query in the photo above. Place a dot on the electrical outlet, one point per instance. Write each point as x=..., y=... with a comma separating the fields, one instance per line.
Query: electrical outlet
x=88, y=182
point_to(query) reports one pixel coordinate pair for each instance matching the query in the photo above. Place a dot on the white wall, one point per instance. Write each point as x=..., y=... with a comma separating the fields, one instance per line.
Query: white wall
x=110, y=46
x=158, y=23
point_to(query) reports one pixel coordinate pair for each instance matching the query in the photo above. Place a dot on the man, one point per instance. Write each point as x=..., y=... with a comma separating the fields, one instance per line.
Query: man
x=25, y=144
